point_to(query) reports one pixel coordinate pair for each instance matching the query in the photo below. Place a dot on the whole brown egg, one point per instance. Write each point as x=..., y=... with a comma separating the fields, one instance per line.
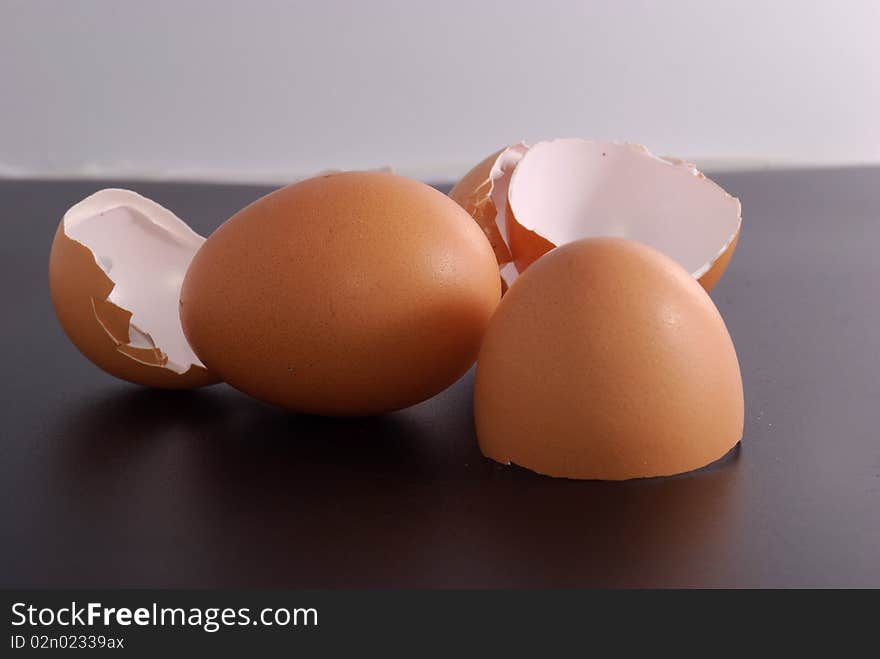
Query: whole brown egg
x=607, y=360
x=346, y=294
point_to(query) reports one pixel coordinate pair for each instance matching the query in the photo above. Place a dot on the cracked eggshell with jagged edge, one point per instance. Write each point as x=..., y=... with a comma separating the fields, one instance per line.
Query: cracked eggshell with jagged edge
x=115, y=271
x=530, y=199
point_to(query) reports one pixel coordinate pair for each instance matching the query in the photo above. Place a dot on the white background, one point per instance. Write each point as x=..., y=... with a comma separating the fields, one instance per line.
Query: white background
x=268, y=91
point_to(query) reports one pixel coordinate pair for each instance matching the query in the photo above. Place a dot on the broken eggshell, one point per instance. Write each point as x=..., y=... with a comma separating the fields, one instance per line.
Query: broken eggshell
x=117, y=263
x=482, y=192
x=529, y=200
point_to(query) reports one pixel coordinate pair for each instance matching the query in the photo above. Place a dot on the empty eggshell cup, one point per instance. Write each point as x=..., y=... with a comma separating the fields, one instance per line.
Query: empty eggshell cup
x=530, y=199
x=115, y=271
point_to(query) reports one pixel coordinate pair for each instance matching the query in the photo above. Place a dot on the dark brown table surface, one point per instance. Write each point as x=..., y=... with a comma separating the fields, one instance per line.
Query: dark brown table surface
x=107, y=484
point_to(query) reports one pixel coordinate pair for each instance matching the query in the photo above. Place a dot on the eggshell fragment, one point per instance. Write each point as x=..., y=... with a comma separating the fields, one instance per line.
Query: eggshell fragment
x=482, y=192
x=348, y=294
x=115, y=270
x=567, y=189
x=607, y=360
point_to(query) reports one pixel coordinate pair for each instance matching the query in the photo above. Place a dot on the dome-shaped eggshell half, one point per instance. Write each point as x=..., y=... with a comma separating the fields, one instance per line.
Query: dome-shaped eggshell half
x=607, y=360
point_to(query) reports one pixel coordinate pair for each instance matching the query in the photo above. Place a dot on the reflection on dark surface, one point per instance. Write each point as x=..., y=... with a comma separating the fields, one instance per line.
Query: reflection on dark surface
x=211, y=488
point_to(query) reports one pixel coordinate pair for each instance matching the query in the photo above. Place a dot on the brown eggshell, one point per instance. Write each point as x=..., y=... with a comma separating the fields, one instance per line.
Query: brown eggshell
x=527, y=245
x=350, y=294
x=607, y=360
x=98, y=328
x=590, y=188
x=472, y=193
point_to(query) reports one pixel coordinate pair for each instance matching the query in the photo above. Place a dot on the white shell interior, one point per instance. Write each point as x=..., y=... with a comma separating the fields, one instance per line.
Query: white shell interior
x=569, y=189
x=500, y=183
x=145, y=250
